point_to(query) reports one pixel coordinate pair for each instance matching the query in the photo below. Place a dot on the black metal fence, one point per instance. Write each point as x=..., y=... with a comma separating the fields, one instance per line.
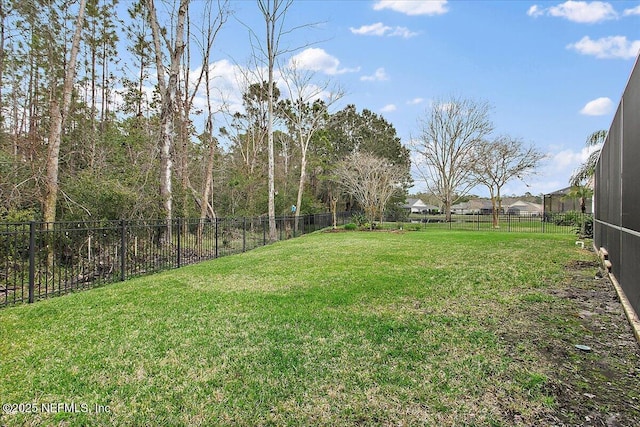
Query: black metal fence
x=40, y=260
x=617, y=198
x=556, y=223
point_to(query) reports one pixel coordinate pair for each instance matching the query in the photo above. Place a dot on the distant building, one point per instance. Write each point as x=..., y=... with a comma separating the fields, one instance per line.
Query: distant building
x=509, y=206
x=558, y=202
x=473, y=206
x=420, y=207
x=521, y=207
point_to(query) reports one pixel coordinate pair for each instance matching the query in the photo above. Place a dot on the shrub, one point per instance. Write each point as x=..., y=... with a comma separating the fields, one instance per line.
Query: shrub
x=359, y=219
x=584, y=227
x=570, y=218
x=350, y=226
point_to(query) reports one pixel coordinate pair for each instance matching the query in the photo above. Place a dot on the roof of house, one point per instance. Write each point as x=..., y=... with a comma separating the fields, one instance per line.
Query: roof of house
x=415, y=203
x=560, y=192
x=419, y=204
x=526, y=206
x=484, y=204
x=474, y=204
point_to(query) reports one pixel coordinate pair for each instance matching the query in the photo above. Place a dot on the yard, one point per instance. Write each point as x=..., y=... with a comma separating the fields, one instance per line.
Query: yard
x=357, y=328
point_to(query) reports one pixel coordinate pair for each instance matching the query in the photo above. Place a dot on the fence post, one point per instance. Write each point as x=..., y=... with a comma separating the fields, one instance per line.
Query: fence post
x=216, y=237
x=32, y=260
x=244, y=234
x=179, y=255
x=123, y=249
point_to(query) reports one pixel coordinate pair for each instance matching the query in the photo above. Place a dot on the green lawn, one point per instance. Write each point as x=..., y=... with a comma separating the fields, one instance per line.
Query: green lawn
x=371, y=328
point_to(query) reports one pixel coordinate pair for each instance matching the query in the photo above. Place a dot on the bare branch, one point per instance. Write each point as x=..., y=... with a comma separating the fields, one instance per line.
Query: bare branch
x=449, y=135
x=370, y=180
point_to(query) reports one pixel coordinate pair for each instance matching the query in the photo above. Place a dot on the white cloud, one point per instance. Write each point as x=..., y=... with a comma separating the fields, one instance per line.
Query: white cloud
x=568, y=160
x=413, y=7
x=415, y=101
x=556, y=170
x=607, y=47
x=403, y=32
x=535, y=11
x=598, y=107
x=316, y=59
x=378, y=76
x=577, y=11
x=583, y=12
x=225, y=83
x=632, y=11
x=388, y=108
x=379, y=29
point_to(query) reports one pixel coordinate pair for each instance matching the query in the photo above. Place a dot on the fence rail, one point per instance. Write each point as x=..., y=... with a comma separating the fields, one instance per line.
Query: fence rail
x=40, y=260
x=552, y=223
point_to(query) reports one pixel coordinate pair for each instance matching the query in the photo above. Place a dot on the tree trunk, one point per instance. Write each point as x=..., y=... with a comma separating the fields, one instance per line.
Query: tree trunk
x=496, y=217
x=303, y=176
x=208, y=182
x=271, y=165
x=334, y=214
x=494, y=212
x=273, y=13
x=168, y=93
x=58, y=114
x=53, y=154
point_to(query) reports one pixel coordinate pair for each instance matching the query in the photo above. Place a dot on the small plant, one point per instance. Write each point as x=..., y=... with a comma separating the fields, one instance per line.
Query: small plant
x=571, y=218
x=359, y=219
x=350, y=226
x=584, y=227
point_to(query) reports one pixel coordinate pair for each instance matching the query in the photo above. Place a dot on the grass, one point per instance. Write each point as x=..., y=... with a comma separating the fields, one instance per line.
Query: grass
x=326, y=329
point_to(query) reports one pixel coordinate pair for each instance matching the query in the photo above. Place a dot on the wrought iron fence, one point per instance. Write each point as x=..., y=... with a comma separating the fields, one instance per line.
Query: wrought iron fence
x=553, y=223
x=40, y=260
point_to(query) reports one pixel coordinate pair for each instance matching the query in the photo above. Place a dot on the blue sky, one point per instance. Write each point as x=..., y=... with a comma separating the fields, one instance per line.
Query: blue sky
x=553, y=72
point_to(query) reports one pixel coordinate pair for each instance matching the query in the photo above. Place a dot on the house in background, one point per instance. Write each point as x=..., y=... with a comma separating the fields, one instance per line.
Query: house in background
x=558, y=202
x=473, y=206
x=509, y=206
x=420, y=207
x=521, y=207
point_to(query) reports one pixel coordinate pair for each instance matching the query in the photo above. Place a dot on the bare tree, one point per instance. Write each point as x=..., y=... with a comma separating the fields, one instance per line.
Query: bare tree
x=371, y=181
x=497, y=162
x=449, y=135
x=168, y=93
x=306, y=112
x=58, y=114
x=212, y=30
x=214, y=17
x=274, y=13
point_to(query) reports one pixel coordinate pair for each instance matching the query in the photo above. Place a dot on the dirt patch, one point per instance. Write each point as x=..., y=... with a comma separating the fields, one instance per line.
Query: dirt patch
x=579, y=328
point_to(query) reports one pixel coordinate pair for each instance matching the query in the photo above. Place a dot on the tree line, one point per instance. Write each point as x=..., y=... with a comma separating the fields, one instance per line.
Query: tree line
x=87, y=132
x=84, y=138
